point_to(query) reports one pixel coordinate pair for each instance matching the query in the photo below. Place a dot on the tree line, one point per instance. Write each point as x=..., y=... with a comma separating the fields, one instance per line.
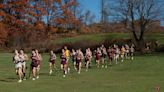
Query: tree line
x=25, y=22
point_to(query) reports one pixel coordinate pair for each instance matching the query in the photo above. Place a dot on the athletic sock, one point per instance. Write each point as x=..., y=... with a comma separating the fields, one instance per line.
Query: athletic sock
x=24, y=74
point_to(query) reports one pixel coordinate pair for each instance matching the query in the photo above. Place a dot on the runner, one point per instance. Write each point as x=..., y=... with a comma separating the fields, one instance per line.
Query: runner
x=63, y=63
x=103, y=56
x=79, y=57
x=52, y=62
x=23, y=59
x=39, y=60
x=113, y=54
x=117, y=54
x=73, y=56
x=67, y=55
x=122, y=53
x=131, y=52
x=87, y=59
x=110, y=59
x=18, y=66
x=34, y=64
x=127, y=51
x=98, y=55
x=90, y=57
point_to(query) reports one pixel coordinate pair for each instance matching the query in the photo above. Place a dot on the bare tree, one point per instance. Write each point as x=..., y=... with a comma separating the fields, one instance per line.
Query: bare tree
x=104, y=11
x=138, y=16
x=104, y=14
x=88, y=17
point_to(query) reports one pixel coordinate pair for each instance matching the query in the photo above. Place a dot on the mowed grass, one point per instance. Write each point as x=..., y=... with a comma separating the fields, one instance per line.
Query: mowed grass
x=141, y=75
x=108, y=36
x=157, y=36
x=92, y=37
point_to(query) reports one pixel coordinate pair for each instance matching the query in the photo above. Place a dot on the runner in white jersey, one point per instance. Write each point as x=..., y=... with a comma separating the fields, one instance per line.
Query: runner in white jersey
x=90, y=57
x=132, y=52
x=103, y=56
x=18, y=65
x=73, y=56
x=39, y=60
x=87, y=59
x=117, y=54
x=127, y=51
x=23, y=59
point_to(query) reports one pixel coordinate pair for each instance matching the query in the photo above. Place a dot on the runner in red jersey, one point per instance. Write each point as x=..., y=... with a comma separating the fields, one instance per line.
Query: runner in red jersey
x=63, y=63
x=98, y=55
x=34, y=64
x=110, y=56
x=52, y=62
x=79, y=57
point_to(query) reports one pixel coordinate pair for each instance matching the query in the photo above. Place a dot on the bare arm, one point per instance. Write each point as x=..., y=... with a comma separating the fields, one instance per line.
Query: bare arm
x=26, y=57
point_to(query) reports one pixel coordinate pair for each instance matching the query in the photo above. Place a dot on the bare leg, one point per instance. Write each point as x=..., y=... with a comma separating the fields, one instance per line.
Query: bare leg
x=98, y=63
x=37, y=71
x=34, y=73
x=87, y=65
x=24, y=71
x=79, y=70
x=122, y=58
x=20, y=74
x=64, y=70
x=50, y=68
x=74, y=63
x=103, y=62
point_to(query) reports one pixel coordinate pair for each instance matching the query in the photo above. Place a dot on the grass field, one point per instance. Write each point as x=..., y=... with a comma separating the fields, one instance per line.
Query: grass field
x=103, y=36
x=93, y=37
x=141, y=75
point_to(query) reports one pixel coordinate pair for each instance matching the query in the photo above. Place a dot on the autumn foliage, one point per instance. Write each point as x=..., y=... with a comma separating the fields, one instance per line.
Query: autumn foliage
x=25, y=22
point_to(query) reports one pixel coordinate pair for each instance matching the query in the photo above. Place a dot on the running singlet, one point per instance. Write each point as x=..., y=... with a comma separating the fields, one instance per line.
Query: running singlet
x=52, y=59
x=34, y=61
x=97, y=55
x=63, y=60
x=122, y=50
x=67, y=53
x=109, y=53
x=16, y=59
x=78, y=58
x=22, y=58
x=87, y=57
x=17, y=62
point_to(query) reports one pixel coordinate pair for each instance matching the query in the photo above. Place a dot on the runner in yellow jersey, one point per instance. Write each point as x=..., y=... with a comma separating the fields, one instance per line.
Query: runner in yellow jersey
x=67, y=55
x=122, y=53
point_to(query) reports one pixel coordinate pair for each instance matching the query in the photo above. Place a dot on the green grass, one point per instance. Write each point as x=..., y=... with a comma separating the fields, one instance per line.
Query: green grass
x=103, y=36
x=141, y=75
x=157, y=36
x=92, y=37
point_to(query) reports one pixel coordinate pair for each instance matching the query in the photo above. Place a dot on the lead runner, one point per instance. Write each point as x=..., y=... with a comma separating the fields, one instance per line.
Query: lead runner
x=18, y=66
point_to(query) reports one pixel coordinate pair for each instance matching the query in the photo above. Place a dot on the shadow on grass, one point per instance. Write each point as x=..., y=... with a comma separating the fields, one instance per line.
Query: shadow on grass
x=56, y=72
x=9, y=79
x=43, y=73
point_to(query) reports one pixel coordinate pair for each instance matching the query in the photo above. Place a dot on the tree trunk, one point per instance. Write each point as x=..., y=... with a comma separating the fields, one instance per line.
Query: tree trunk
x=139, y=41
x=141, y=45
